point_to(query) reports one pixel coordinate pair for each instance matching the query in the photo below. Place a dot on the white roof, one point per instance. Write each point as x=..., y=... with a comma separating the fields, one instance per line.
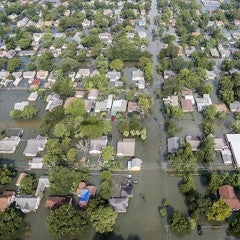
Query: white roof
x=33, y=96
x=234, y=140
x=20, y=105
x=36, y=163
x=9, y=144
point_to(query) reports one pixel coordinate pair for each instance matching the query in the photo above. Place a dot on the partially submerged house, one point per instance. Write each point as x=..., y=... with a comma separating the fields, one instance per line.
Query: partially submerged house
x=227, y=193
x=173, y=144
x=195, y=142
x=43, y=183
x=6, y=199
x=119, y=106
x=27, y=203
x=138, y=78
x=203, y=102
x=235, y=106
x=126, y=147
x=9, y=144
x=57, y=201
x=97, y=144
x=20, y=105
x=36, y=163
x=227, y=157
x=53, y=101
x=234, y=143
x=135, y=164
x=119, y=204
x=35, y=145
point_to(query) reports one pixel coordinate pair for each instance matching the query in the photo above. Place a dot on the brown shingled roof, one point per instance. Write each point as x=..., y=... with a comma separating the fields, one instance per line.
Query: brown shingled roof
x=227, y=193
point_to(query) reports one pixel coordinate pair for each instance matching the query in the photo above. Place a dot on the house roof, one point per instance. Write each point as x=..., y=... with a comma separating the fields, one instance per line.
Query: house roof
x=221, y=107
x=119, y=204
x=36, y=163
x=235, y=106
x=194, y=142
x=173, y=144
x=93, y=94
x=171, y=100
x=53, y=202
x=9, y=144
x=187, y=105
x=227, y=156
x=133, y=107
x=20, y=105
x=119, y=105
x=4, y=199
x=126, y=147
x=79, y=94
x=33, y=96
x=126, y=190
x=227, y=193
x=234, y=141
x=101, y=106
x=43, y=182
x=187, y=92
x=34, y=145
x=97, y=144
x=27, y=203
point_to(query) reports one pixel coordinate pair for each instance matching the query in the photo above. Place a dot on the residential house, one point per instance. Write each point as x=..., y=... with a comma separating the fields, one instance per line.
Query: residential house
x=36, y=163
x=84, y=192
x=171, y=101
x=42, y=74
x=22, y=22
x=126, y=147
x=101, y=106
x=126, y=190
x=142, y=34
x=203, y=102
x=113, y=76
x=119, y=106
x=33, y=96
x=234, y=143
x=11, y=53
x=4, y=75
x=43, y=183
x=186, y=105
x=35, y=145
x=119, y=204
x=6, y=199
x=55, y=202
x=53, y=101
x=25, y=53
x=93, y=94
x=133, y=107
x=105, y=37
x=210, y=75
x=35, y=83
x=51, y=78
x=134, y=164
x=83, y=73
x=107, y=12
x=2, y=53
x=188, y=94
x=227, y=193
x=195, y=142
x=221, y=107
x=189, y=50
x=9, y=144
x=168, y=74
x=27, y=203
x=20, y=105
x=173, y=144
x=138, y=77
x=86, y=23
x=214, y=53
x=97, y=144
x=37, y=37
x=89, y=105
x=235, y=106
x=79, y=94
x=219, y=144
x=29, y=74
x=18, y=78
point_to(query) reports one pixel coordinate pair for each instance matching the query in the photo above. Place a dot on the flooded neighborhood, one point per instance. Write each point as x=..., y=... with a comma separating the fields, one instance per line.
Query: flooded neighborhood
x=119, y=120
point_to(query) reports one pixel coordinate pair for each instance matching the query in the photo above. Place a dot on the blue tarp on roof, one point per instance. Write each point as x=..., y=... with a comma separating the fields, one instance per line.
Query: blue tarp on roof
x=85, y=195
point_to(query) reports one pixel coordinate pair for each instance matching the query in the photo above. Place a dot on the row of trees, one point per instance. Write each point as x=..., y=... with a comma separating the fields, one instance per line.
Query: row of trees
x=28, y=112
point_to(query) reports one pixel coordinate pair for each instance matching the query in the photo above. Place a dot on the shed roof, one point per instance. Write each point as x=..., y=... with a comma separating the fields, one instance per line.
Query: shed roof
x=227, y=193
x=119, y=204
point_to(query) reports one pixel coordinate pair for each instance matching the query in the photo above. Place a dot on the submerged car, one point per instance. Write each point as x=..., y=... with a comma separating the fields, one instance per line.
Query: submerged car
x=199, y=229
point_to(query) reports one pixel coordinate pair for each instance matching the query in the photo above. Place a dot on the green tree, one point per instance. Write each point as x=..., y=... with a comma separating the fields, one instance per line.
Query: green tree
x=163, y=212
x=180, y=223
x=72, y=154
x=24, y=43
x=106, y=175
x=219, y=211
x=103, y=219
x=46, y=61
x=108, y=153
x=29, y=111
x=66, y=221
x=215, y=182
x=6, y=174
x=28, y=185
x=234, y=226
x=208, y=128
x=13, y=64
x=76, y=108
x=207, y=153
x=105, y=190
x=209, y=112
x=145, y=103
x=188, y=184
x=10, y=222
x=61, y=130
x=116, y=64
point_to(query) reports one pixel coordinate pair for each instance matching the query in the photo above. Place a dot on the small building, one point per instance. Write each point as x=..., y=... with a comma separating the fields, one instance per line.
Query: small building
x=126, y=190
x=35, y=145
x=138, y=78
x=20, y=178
x=55, y=202
x=86, y=23
x=228, y=194
x=11, y=53
x=27, y=203
x=88, y=105
x=168, y=74
x=20, y=105
x=188, y=94
x=9, y=144
x=210, y=75
x=173, y=144
x=220, y=144
x=235, y=106
x=214, y=53
x=33, y=96
x=171, y=101
x=93, y=94
x=119, y=106
x=6, y=199
x=43, y=183
x=134, y=164
x=53, y=101
x=133, y=107
x=84, y=192
x=227, y=156
x=42, y=74
x=195, y=142
x=83, y=73
x=113, y=76
x=35, y=83
x=234, y=143
x=186, y=105
x=97, y=144
x=29, y=74
x=79, y=94
x=126, y=147
x=105, y=37
x=36, y=163
x=203, y=102
x=119, y=204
